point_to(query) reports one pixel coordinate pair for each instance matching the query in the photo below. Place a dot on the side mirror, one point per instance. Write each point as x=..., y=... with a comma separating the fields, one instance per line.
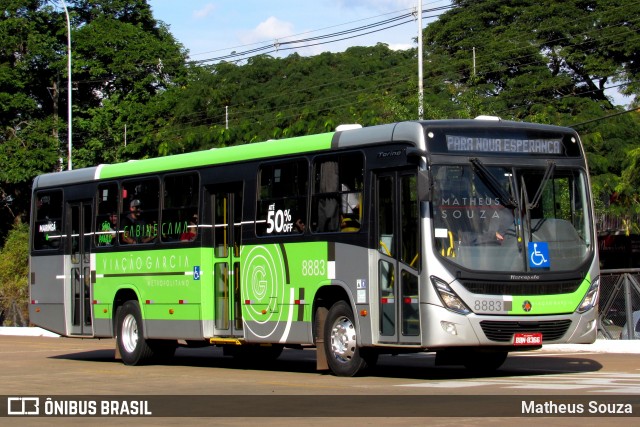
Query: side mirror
x=424, y=186
x=424, y=182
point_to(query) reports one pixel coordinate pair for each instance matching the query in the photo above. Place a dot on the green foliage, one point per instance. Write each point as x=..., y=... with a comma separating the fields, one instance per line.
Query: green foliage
x=14, y=268
x=279, y=98
x=547, y=62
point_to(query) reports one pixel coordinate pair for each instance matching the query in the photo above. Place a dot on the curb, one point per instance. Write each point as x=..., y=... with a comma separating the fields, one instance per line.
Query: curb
x=600, y=346
x=26, y=332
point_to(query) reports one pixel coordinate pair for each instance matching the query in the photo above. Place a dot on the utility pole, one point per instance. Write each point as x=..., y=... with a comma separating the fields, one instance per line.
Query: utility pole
x=474, y=61
x=55, y=95
x=420, y=88
x=66, y=12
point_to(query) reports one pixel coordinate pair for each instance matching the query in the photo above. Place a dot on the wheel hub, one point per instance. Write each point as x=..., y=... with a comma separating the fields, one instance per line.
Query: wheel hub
x=343, y=340
x=129, y=333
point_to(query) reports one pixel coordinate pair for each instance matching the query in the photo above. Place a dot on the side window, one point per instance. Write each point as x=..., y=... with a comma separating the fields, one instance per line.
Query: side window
x=48, y=220
x=139, y=212
x=180, y=208
x=337, y=193
x=107, y=215
x=282, y=198
x=386, y=208
x=409, y=220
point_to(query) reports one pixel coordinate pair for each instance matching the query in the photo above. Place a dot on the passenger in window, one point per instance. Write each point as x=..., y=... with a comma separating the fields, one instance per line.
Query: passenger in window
x=349, y=219
x=134, y=228
x=350, y=203
x=299, y=224
x=505, y=225
x=192, y=230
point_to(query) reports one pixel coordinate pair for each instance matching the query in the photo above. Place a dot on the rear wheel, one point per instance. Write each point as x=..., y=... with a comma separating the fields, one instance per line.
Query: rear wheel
x=132, y=346
x=341, y=344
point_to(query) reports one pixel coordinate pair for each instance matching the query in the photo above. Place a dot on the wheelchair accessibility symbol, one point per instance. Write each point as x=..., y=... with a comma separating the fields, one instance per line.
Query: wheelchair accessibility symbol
x=196, y=272
x=539, y=255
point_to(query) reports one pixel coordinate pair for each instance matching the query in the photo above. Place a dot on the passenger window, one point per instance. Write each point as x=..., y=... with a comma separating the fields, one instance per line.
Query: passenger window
x=180, y=208
x=409, y=221
x=386, y=209
x=107, y=215
x=337, y=193
x=139, y=211
x=282, y=198
x=48, y=220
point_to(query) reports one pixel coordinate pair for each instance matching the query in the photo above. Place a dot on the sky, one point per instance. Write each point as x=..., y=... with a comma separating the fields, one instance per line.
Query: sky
x=212, y=29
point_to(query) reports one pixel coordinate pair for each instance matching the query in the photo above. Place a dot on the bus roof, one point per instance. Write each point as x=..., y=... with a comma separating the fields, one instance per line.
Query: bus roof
x=408, y=131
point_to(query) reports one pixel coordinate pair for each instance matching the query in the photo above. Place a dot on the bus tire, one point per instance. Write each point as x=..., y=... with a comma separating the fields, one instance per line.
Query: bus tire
x=340, y=341
x=132, y=346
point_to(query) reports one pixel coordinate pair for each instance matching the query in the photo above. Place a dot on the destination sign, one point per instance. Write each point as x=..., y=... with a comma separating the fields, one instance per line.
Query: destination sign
x=457, y=143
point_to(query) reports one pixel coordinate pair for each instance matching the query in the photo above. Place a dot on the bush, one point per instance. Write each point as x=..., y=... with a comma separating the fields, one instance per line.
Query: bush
x=14, y=271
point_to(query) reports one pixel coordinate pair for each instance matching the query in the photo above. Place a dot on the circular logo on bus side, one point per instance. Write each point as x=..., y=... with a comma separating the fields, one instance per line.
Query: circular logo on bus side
x=526, y=306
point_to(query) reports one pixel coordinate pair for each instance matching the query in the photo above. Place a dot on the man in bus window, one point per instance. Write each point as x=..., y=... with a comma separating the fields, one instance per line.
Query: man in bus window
x=190, y=234
x=505, y=226
x=134, y=228
x=349, y=218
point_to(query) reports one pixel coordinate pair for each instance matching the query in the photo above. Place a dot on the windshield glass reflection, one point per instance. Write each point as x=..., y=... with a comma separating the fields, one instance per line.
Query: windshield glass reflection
x=484, y=220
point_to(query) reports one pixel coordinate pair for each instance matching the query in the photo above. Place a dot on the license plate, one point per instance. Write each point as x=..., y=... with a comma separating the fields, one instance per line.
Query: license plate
x=527, y=338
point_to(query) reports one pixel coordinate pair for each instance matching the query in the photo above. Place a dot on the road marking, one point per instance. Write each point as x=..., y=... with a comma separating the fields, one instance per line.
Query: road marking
x=595, y=382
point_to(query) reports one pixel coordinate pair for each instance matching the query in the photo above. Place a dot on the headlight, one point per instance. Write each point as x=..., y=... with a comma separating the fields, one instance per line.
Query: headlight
x=448, y=297
x=591, y=298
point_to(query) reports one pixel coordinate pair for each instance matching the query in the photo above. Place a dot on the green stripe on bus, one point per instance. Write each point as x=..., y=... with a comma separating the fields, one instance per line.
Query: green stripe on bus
x=550, y=304
x=237, y=153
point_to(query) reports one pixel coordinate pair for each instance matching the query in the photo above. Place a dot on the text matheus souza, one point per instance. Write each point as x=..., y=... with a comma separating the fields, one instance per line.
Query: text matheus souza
x=593, y=407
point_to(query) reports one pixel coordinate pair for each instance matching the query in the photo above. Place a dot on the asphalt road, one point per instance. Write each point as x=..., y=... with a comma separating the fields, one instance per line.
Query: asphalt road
x=399, y=391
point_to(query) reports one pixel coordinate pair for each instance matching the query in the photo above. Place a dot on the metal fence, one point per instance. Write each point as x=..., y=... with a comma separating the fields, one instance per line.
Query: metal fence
x=619, y=311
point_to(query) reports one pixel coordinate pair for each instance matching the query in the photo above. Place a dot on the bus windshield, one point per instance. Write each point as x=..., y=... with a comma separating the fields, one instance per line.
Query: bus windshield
x=511, y=219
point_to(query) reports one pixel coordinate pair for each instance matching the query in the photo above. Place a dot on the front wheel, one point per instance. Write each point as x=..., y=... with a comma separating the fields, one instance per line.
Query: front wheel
x=132, y=346
x=340, y=341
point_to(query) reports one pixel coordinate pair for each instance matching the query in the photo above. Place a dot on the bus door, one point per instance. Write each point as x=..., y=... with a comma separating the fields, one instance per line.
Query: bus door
x=78, y=301
x=398, y=234
x=226, y=212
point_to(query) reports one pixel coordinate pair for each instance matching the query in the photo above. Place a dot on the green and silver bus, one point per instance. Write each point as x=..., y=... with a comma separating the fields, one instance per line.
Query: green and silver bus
x=467, y=238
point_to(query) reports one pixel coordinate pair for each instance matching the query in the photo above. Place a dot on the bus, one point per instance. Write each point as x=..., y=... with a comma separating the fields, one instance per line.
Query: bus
x=467, y=238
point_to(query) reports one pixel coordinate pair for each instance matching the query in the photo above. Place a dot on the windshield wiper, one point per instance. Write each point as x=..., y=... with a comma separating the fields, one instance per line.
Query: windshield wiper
x=493, y=184
x=529, y=205
x=524, y=197
x=548, y=173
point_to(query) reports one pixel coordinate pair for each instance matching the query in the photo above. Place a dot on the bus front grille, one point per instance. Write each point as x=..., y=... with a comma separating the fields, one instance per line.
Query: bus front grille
x=521, y=288
x=502, y=331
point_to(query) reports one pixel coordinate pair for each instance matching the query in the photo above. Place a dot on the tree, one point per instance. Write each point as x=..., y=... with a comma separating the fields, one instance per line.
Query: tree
x=122, y=60
x=530, y=53
x=548, y=62
x=283, y=97
x=29, y=74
